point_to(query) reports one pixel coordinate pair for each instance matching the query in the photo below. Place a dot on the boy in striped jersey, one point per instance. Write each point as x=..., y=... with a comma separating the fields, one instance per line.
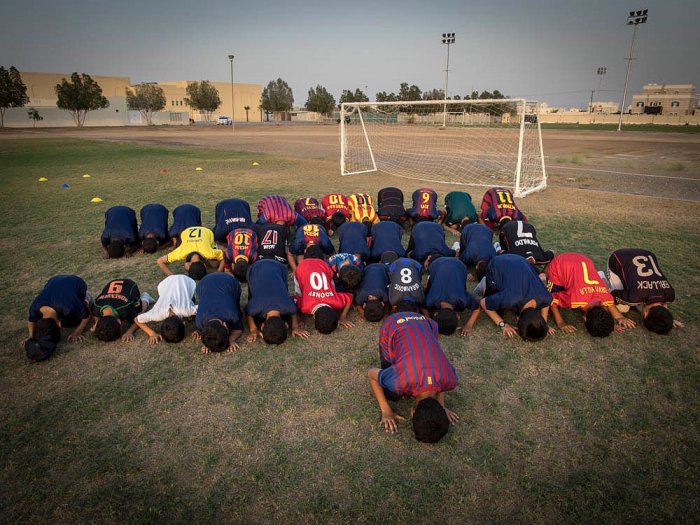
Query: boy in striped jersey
x=413, y=364
x=498, y=207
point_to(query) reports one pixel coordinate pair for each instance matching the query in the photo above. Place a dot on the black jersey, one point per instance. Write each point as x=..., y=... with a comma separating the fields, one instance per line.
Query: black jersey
x=405, y=281
x=122, y=296
x=520, y=238
x=390, y=205
x=635, y=278
x=273, y=241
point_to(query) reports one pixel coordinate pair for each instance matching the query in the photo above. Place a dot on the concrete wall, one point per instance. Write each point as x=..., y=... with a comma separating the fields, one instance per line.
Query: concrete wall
x=115, y=115
x=588, y=118
x=161, y=118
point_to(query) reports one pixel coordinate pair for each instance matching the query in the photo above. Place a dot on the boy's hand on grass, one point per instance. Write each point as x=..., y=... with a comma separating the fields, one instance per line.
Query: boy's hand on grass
x=300, y=333
x=345, y=323
x=467, y=330
x=127, y=338
x=232, y=347
x=155, y=339
x=252, y=336
x=678, y=324
x=196, y=336
x=76, y=338
x=388, y=421
x=453, y=417
x=509, y=331
x=567, y=329
x=623, y=324
x=24, y=342
x=204, y=350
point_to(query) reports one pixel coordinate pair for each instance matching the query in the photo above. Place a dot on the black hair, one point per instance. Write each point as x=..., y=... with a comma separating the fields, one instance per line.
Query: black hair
x=481, y=269
x=108, y=328
x=215, y=336
x=317, y=220
x=407, y=306
x=659, y=320
x=374, y=310
x=447, y=321
x=274, y=331
x=70, y=321
x=388, y=257
x=39, y=349
x=172, y=329
x=115, y=249
x=150, y=245
x=197, y=270
x=367, y=224
x=430, y=422
x=350, y=276
x=240, y=269
x=338, y=218
x=313, y=252
x=503, y=220
x=531, y=325
x=47, y=327
x=599, y=322
x=326, y=319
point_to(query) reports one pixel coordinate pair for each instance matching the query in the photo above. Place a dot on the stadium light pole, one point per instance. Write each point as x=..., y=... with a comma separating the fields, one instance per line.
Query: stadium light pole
x=233, y=111
x=447, y=38
x=635, y=18
x=601, y=72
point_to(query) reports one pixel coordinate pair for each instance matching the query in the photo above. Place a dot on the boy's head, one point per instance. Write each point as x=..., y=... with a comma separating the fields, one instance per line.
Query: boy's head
x=531, y=325
x=215, y=336
x=368, y=224
x=407, y=306
x=447, y=321
x=39, y=349
x=481, y=270
x=374, y=310
x=503, y=221
x=338, y=218
x=150, y=245
x=317, y=220
x=350, y=276
x=659, y=320
x=599, y=322
x=195, y=266
x=430, y=421
x=326, y=319
x=108, y=328
x=388, y=257
x=115, y=249
x=240, y=269
x=313, y=252
x=172, y=330
x=274, y=331
x=47, y=327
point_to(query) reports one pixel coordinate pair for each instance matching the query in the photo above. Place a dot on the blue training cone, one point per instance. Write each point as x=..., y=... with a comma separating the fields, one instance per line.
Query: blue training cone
x=65, y=186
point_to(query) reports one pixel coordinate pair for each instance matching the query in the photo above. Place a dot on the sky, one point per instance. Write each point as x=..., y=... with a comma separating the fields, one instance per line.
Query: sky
x=541, y=50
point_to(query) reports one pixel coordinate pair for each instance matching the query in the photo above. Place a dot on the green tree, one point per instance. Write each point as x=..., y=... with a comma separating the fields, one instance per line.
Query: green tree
x=382, y=96
x=277, y=97
x=349, y=96
x=147, y=99
x=409, y=93
x=33, y=114
x=320, y=100
x=434, y=94
x=203, y=97
x=247, y=109
x=13, y=92
x=80, y=95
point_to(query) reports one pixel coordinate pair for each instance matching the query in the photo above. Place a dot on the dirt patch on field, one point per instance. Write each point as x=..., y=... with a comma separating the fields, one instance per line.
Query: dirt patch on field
x=638, y=163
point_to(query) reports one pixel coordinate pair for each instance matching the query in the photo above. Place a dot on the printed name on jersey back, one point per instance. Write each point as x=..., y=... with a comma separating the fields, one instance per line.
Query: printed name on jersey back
x=234, y=219
x=653, y=285
x=505, y=206
x=320, y=295
x=584, y=290
x=410, y=318
x=521, y=242
x=118, y=297
x=411, y=288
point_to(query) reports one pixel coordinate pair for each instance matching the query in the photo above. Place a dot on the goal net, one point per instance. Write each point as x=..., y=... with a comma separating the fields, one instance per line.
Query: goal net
x=467, y=142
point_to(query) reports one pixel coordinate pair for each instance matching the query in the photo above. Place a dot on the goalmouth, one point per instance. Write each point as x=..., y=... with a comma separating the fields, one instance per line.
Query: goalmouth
x=465, y=142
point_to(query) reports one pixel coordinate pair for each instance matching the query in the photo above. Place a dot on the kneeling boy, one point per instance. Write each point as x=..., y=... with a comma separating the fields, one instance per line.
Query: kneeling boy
x=196, y=248
x=219, y=322
x=318, y=297
x=120, y=301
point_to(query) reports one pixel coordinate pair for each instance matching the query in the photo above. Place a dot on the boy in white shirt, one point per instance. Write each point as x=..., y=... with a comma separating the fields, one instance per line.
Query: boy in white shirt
x=175, y=301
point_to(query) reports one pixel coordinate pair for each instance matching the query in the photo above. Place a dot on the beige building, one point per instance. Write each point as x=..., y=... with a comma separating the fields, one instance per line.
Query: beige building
x=244, y=95
x=604, y=107
x=665, y=99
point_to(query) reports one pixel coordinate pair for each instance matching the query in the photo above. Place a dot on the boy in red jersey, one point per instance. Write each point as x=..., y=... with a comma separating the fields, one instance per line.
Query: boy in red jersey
x=311, y=210
x=276, y=209
x=337, y=212
x=317, y=296
x=413, y=364
x=498, y=207
x=424, y=206
x=574, y=283
x=241, y=251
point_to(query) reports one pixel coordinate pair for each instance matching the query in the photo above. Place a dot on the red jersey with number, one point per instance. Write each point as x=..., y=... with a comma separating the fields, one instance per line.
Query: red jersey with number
x=316, y=288
x=574, y=282
x=362, y=208
x=309, y=208
x=334, y=202
x=242, y=244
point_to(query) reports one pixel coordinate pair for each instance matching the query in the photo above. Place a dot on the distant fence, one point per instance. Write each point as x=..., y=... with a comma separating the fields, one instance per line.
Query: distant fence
x=598, y=118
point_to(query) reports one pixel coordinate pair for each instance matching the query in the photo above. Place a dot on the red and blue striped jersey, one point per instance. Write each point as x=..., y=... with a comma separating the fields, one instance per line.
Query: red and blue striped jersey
x=424, y=205
x=242, y=243
x=276, y=209
x=409, y=343
x=498, y=203
x=309, y=208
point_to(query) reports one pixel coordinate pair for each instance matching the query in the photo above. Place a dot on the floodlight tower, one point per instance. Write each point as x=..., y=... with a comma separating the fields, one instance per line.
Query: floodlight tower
x=601, y=72
x=635, y=18
x=233, y=111
x=447, y=38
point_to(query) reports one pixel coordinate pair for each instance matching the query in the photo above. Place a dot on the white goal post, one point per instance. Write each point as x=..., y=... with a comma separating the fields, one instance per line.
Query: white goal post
x=466, y=142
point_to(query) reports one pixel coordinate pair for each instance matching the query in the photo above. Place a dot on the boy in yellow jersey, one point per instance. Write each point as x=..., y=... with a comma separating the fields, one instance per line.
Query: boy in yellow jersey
x=362, y=209
x=196, y=247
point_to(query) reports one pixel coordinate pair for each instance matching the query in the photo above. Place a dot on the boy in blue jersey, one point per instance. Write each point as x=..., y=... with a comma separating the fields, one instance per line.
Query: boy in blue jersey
x=63, y=303
x=413, y=364
x=372, y=296
x=353, y=239
x=476, y=249
x=424, y=206
x=230, y=214
x=511, y=283
x=219, y=322
x=120, y=236
x=310, y=235
x=270, y=305
x=347, y=271
x=184, y=216
x=386, y=237
x=154, y=227
x=406, y=292
x=428, y=238
x=446, y=294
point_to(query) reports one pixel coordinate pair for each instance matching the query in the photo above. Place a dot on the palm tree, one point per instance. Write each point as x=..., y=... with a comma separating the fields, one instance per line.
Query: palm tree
x=247, y=109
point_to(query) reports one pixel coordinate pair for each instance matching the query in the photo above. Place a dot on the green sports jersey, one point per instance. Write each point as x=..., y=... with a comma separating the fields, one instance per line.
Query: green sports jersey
x=459, y=205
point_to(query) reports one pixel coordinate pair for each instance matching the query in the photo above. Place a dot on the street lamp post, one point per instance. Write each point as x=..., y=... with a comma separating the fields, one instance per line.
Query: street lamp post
x=635, y=18
x=447, y=38
x=233, y=111
x=601, y=72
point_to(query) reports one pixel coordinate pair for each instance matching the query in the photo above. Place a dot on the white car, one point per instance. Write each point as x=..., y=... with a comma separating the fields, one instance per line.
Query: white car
x=224, y=121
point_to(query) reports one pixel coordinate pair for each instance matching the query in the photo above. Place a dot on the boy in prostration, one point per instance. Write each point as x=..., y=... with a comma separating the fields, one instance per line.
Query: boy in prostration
x=476, y=248
x=184, y=216
x=153, y=230
x=446, y=294
x=241, y=251
x=230, y=214
x=498, y=207
x=335, y=206
x=459, y=211
x=390, y=205
x=219, y=321
x=196, y=248
x=372, y=295
x=307, y=236
x=120, y=236
x=386, y=237
x=424, y=206
x=428, y=238
x=119, y=302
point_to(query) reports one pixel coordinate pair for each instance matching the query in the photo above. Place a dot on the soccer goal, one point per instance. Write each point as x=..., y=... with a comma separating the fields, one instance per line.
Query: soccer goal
x=466, y=142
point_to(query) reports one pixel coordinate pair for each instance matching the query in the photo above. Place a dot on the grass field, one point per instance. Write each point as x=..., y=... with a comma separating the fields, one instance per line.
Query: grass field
x=566, y=430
